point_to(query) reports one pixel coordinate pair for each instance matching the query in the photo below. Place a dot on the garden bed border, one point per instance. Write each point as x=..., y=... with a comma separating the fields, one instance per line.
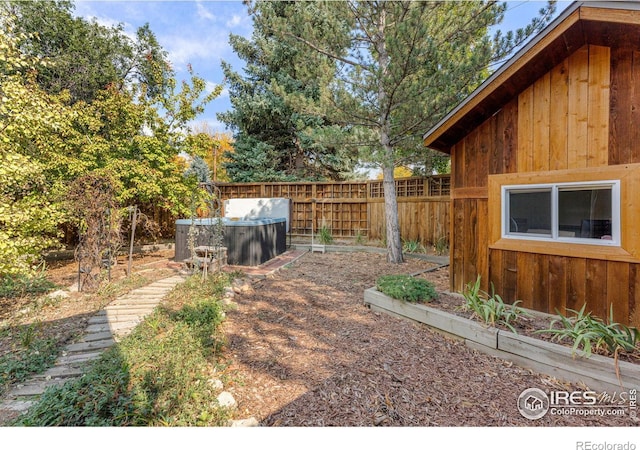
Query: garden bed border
x=597, y=372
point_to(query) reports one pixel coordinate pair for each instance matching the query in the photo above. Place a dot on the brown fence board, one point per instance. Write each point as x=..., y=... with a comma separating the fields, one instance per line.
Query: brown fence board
x=353, y=209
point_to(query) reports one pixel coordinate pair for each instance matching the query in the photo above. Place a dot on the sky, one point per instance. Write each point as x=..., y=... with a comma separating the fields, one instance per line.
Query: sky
x=197, y=32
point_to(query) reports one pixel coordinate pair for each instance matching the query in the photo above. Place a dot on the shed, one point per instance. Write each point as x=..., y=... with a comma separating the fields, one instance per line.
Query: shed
x=545, y=161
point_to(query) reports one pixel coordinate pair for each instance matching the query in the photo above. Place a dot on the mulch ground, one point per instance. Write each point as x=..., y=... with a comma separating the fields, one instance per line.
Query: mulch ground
x=305, y=351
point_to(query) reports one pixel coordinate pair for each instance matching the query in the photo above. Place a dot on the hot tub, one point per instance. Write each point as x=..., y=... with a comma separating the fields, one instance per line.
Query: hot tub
x=249, y=242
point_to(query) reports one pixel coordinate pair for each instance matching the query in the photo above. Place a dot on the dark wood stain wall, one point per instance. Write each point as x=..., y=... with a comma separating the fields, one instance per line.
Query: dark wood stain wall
x=582, y=115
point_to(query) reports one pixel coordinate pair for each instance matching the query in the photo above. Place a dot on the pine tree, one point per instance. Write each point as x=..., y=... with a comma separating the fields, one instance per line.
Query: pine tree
x=405, y=65
x=275, y=140
x=199, y=169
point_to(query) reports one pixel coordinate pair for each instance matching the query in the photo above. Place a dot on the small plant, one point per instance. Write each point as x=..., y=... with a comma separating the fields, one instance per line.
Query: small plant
x=407, y=288
x=360, y=238
x=324, y=235
x=441, y=246
x=491, y=309
x=28, y=335
x=21, y=285
x=590, y=333
x=412, y=246
x=35, y=356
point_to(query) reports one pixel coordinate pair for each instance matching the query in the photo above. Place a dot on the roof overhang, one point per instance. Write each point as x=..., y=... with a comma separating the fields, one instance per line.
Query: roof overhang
x=599, y=23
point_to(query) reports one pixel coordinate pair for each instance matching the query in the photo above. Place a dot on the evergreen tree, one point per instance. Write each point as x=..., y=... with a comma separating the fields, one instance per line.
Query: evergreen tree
x=198, y=169
x=274, y=141
x=406, y=64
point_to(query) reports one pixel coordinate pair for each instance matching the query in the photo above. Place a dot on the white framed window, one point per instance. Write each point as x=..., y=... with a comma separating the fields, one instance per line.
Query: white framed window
x=586, y=213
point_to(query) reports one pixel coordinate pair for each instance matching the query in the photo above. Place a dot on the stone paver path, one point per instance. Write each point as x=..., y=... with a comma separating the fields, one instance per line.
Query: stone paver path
x=104, y=329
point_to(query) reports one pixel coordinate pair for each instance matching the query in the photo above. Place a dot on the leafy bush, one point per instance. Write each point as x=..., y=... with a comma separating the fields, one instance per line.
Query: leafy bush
x=406, y=287
x=491, y=309
x=12, y=286
x=590, y=333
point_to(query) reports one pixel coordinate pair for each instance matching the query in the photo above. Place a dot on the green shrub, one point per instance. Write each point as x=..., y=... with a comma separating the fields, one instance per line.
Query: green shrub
x=12, y=286
x=490, y=308
x=406, y=287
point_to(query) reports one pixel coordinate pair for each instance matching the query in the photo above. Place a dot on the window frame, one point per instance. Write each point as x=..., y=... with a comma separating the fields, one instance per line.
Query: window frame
x=555, y=188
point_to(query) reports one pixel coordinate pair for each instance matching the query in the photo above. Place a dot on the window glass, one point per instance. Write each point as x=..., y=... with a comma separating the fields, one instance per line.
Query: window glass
x=530, y=212
x=585, y=213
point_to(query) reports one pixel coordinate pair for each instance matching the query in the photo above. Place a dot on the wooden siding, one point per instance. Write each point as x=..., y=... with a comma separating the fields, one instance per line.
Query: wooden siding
x=572, y=131
x=553, y=283
x=580, y=118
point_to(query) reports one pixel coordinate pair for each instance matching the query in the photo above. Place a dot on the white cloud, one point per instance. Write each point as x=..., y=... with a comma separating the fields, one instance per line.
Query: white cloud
x=234, y=21
x=204, y=13
x=185, y=49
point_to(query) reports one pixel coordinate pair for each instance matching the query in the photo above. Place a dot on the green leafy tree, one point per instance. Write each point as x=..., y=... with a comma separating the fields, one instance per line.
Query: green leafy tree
x=28, y=214
x=213, y=147
x=127, y=135
x=405, y=65
x=50, y=139
x=86, y=57
x=274, y=139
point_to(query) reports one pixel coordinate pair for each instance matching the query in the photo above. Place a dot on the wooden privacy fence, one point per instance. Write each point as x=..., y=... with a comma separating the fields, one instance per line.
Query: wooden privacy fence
x=356, y=208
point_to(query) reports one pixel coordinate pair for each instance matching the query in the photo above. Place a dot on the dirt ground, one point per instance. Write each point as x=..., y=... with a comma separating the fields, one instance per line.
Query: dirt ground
x=303, y=350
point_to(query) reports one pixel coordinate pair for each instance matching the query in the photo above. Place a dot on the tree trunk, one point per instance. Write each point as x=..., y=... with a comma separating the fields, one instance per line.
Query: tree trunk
x=394, y=244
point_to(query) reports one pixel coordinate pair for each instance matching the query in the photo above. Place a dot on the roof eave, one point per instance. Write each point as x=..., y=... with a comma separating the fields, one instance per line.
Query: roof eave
x=563, y=22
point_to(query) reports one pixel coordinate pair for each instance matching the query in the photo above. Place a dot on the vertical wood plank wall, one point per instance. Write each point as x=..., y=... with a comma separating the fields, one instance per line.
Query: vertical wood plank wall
x=583, y=113
x=352, y=209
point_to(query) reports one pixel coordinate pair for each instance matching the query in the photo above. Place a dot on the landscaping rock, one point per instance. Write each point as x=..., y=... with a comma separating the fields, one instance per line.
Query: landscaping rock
x=250, y=422
x=216, y=384
x=60, y=293
x=226, y=400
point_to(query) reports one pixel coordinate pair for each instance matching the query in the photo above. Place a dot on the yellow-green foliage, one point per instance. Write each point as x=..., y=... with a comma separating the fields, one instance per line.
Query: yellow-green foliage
x=47, y=141
x=28, y=219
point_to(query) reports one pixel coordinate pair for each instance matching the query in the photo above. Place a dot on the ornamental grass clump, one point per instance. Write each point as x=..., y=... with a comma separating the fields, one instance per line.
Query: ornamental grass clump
x=407, y=288
x=490, y=308
x=590, y=333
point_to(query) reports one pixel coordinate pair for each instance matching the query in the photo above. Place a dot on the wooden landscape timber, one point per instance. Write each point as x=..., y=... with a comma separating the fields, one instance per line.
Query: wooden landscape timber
x=597, y=372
